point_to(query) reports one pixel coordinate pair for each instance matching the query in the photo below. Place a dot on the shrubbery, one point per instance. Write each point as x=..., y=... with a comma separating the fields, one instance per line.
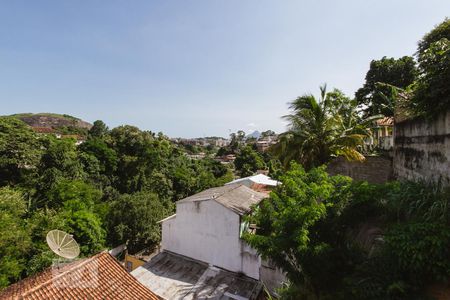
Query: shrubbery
x=342, y=240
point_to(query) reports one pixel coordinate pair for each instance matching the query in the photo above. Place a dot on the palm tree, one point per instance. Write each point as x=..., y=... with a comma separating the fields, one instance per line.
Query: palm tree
x=321, y=129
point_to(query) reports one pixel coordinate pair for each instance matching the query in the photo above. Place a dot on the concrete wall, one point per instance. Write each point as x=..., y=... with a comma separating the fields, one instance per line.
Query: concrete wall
x=132, y=262
x=209, y=232
x=374, y=169
x=271, y=276
x=422, y=149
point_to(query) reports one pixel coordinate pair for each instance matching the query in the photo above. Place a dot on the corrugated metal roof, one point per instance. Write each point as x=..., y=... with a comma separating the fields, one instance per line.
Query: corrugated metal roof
x=172, y=276
x=236, y=197
x=97, y=277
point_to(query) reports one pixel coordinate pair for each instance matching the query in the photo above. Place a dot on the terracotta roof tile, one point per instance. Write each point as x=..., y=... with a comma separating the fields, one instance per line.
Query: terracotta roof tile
x=97, y=277
x=386, y=121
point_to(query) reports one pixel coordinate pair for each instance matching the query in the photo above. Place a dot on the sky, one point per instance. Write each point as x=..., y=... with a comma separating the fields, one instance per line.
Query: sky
x=193, y=68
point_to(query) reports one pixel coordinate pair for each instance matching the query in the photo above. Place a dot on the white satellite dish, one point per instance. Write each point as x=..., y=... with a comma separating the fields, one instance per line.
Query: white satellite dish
x=63, y=244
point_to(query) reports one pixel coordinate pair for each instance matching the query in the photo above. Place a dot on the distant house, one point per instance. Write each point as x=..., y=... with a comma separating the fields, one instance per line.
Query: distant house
x=259, y=182
x=263, y=146
x=382, y=133
x=97, y=277
x=226, y=159
x=43, y=130
x=197, y=156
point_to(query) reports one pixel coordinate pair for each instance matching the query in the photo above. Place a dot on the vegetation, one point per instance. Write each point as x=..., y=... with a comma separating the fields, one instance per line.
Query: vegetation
x=378, y=94
x=248, y=161
x=341, y=240
x=112, y=189
x=133, y=219
x=320, y=129
x=431, y=91
x=334, y=238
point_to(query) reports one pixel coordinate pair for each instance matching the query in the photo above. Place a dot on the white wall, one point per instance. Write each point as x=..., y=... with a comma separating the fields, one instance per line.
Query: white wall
x=209, y=232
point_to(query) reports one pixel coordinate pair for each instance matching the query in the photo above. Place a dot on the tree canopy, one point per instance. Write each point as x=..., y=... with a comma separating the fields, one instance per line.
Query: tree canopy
x=322, y=128
x=378, y=94
x=248, y=161
x=431, y=91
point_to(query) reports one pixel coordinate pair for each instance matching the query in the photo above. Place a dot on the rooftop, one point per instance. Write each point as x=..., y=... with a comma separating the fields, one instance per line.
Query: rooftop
x=386, y=121
x=173, y=276
x=258, y=179
x=236, y=197
x=97, y=277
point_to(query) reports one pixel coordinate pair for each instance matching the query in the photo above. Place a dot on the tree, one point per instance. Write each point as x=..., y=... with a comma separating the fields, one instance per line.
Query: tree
x=39, y=224
x=267, y=133
x=321, y=129
x=248, y=161
x=236, y=141
x=378, y=93
x=137, y=156
x=431, y=92
x=289, y=227
x=106, y=156
x=78, y=203
x=133, y=219
x=15, y=240
x=19, y=152
x=438, y=33
x=59, y=162
x=98, y=130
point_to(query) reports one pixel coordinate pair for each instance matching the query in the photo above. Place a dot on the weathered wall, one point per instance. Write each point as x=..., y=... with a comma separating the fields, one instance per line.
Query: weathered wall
x=209, y=232
x=375, y=169
x=422, y=149
x=272, y=277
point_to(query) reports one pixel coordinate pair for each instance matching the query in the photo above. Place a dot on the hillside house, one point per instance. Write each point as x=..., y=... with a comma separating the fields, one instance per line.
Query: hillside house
x=382, y=134
x=258, y=182
x=203, y=252
x=208, y=226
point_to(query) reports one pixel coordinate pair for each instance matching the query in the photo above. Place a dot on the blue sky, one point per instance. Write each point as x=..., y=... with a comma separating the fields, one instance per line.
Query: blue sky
x=195, y=67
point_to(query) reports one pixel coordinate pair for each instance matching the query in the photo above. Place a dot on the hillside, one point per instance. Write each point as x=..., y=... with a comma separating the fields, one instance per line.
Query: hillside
x=65, y=124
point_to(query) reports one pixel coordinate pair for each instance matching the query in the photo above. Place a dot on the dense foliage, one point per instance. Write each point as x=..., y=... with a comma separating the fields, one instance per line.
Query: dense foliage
x=248, y=161
x=378, y=94
x=320, y=129
x=432, y=88
x=341, y=240
x=111, y=189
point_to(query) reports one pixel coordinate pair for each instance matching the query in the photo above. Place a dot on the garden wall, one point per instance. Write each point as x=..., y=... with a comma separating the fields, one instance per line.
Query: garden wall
x=375, y=169
x=422, y=149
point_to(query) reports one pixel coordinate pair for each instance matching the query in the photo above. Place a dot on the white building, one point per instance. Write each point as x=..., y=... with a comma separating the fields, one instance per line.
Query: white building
x=208, y=226
x=259, y=179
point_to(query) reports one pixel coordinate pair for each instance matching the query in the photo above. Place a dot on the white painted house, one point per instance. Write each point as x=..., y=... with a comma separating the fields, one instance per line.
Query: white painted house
x=207, y=227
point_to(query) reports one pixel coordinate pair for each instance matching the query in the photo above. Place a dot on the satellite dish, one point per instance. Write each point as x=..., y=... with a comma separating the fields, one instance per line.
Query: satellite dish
x=63, y=244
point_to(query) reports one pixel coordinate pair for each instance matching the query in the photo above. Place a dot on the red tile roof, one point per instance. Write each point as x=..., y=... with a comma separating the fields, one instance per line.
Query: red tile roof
x=43, y=129
x=97, y=277
x=386, y=121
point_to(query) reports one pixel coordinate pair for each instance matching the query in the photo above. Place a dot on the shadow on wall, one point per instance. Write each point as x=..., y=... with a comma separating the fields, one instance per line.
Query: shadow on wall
x=422, y=149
